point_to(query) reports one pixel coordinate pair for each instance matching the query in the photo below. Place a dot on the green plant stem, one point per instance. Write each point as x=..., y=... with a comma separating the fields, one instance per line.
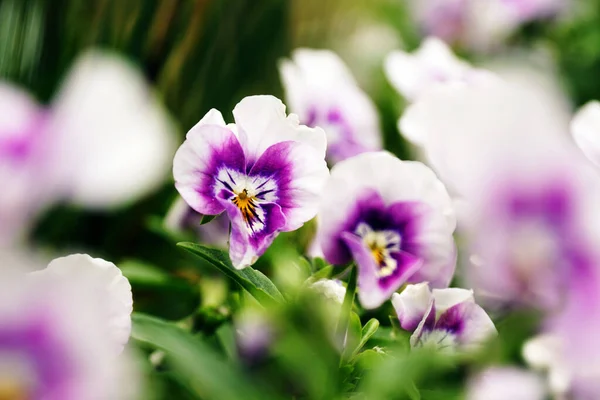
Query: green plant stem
x=342, y=327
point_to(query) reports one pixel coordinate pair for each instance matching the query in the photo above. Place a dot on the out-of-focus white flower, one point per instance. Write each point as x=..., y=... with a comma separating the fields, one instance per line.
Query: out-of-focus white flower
x=62, y=331
x=103, y=141
x=322, y=92
x=585, y=128
x=431, y=65
x=546, y=353
x=116, y=140
x=447, y=319
x=393, y=218
x=503, y=383
x=331, y=289
x=533, y=201
x=480, y=24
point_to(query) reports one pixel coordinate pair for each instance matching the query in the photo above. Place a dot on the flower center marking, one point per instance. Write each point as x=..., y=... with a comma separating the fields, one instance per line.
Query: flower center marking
x=381, y=244
x=247, y=205
x=12, y=390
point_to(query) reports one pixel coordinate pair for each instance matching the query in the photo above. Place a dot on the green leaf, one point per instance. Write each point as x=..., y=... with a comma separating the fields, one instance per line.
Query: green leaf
x=207, y=218
x=202, y=369
x=353, y=337
x=255, y=282
x=323, y=273
x=346, y=311
x=367, y=331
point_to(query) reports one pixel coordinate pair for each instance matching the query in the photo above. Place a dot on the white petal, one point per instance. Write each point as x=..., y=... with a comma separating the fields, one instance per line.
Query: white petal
x=212, y=117
x=104, y=284
x=412, y=304
x=469, y=130
x=585, y=129
x=117, y=142
x=430, y=65
x=262, y=122
x=545, y=352
x=446, y=298
x=502, y=383
x=331, y=289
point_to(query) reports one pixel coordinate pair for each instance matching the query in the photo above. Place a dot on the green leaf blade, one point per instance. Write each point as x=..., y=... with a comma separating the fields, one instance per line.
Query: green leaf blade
x=253, y=281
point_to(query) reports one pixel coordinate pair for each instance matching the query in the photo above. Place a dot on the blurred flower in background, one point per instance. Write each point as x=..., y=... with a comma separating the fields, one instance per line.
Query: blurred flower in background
x=322, y=92
x=480, y=24
x=103, y=142
x=63, y=330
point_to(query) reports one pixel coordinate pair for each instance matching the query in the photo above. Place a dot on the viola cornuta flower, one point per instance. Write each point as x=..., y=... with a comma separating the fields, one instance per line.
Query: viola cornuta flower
x=432, y=64
x=393, y=218
x=266, y=171
x=480, y=24
x=103, y=141
x=446, y=319
x=322, y=92
x=63, y=329
x=532, y=201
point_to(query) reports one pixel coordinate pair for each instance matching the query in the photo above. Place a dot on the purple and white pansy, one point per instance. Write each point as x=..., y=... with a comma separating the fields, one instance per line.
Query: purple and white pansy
x=480, y=24
x=266, y=171
x=446, y=319
x=63, y=329
x=393, y=218
x=432, y=64
x=321, y=90
x=79, y=149
x=531, y=200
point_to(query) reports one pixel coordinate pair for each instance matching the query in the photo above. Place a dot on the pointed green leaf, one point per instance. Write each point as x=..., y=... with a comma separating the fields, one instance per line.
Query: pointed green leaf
x=207, y=218
x=255, y=282
x=367, y=331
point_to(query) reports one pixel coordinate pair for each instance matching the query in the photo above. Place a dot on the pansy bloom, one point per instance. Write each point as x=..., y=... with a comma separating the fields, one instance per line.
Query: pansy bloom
x=63, y=329
x=432, y=64
x=447, y=319
x=266, y=171
x=480, y=24
x=394, y=218
x=103, y=142
x=322, y=92
x=531, y=217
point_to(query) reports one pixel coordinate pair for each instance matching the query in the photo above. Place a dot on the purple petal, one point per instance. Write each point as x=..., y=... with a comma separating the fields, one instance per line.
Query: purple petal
x=245, y=244
x=52, y=365
x=334, y=247
x=374, y=289
x=298, y=175
x=209, y=150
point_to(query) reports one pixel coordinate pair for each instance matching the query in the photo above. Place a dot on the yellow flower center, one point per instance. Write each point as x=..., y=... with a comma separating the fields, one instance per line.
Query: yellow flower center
x=13, y=390
x=247, y=206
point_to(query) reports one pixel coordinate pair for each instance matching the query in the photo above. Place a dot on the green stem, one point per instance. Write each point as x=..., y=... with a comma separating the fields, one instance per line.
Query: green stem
x=344, y=321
